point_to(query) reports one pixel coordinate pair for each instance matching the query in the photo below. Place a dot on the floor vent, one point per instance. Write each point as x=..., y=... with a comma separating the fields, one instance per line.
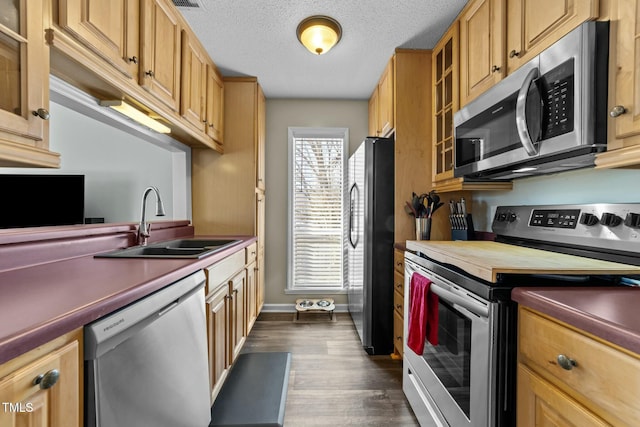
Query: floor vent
x=188, y=4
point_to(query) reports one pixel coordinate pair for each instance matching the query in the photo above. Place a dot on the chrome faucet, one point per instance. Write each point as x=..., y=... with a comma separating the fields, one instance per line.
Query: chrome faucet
x=143, y=227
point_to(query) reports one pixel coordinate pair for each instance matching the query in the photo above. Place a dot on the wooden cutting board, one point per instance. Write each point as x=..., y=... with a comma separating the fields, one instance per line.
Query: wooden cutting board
x=487, y=259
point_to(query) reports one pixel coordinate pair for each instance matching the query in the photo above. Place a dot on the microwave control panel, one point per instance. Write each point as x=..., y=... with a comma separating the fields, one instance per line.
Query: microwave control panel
x=557, y=92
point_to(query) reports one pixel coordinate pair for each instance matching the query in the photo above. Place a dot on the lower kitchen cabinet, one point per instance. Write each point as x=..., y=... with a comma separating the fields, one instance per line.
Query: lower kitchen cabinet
x=567, y=377
x=231, y=311
x=43, y=387
x=398, y=303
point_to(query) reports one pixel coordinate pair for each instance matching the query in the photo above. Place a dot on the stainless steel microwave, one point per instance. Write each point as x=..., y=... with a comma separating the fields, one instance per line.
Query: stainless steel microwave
x=550, y=115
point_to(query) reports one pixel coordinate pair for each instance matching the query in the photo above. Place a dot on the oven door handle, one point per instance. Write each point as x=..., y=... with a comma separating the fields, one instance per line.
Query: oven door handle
x=521, y=116
x=463, y=301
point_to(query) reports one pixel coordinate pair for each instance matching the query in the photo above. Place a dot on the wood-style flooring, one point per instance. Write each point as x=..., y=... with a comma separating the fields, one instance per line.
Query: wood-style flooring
x=333, y=381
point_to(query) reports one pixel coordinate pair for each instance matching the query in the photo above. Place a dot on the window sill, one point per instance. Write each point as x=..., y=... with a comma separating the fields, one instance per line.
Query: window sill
x=315, y=291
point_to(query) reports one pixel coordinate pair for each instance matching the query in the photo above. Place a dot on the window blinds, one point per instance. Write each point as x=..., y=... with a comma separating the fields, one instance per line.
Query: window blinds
x=317, y=213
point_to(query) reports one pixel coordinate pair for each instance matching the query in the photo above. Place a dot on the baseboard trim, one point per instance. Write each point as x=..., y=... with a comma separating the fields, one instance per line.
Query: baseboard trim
x=291, y=308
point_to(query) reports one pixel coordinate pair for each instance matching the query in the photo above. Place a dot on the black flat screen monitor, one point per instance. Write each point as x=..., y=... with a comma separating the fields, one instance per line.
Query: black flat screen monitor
x=41, y=200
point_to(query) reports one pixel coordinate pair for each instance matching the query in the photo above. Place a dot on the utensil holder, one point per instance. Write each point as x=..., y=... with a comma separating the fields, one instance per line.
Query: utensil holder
x=463, y=229
x=423, y=228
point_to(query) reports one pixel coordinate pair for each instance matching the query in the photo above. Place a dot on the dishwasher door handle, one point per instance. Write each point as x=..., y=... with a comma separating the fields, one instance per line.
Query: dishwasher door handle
x=168, y=308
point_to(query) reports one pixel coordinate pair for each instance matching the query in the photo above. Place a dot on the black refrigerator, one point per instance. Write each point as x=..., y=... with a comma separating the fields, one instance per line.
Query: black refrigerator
x=370, y=243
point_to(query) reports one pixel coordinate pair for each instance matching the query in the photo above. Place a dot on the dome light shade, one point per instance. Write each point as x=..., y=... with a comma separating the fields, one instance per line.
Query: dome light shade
x=319, y=33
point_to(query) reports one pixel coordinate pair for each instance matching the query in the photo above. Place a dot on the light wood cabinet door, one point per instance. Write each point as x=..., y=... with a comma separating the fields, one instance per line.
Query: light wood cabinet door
x=623, y=147
x=24, y=87
x=530, y=31
x=237, y=293
x=261, y=127
x=215, y=105
x=194, y=81
x=386, y=100
x=445, y=102
x=541, y=404
x=160, y=51
x=252, y=308
x=260, y=283
x=482, y=59
x=109, y=28
x=25, y=403
x=373, y=114
x=218, y=330
x=398, y=334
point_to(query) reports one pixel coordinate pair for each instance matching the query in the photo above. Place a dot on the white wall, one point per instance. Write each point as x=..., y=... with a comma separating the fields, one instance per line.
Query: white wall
x=280, y=115
x=117, y=166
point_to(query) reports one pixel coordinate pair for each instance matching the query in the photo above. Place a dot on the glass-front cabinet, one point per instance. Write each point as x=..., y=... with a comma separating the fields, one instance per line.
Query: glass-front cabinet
x=445, y=102
x=24, y=86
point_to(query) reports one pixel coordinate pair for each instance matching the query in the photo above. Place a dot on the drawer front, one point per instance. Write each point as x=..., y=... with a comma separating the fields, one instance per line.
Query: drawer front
x=221, y=271
x=398, y=282
x=398, y=303
x=398, y=260
x=603, y=378
x=250, y=253
x=398, y=333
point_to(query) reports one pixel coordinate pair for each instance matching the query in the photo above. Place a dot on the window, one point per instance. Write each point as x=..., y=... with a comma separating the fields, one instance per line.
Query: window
x=317, y=191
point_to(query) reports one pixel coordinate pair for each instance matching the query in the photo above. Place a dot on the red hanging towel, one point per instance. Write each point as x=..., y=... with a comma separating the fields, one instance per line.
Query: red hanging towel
x=423, y=314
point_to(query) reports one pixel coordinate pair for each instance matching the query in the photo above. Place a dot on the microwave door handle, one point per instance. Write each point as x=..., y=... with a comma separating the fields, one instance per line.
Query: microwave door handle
x=521, y=117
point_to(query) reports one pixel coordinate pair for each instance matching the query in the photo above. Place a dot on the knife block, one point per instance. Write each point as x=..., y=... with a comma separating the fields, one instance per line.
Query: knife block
x=464, y=234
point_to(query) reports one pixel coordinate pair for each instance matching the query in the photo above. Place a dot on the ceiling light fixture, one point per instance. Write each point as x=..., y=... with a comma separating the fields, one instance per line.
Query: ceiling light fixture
x=135, y=115
x=319, y=33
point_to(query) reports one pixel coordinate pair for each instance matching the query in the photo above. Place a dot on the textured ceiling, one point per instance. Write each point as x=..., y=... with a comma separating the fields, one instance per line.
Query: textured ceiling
x=258, y=38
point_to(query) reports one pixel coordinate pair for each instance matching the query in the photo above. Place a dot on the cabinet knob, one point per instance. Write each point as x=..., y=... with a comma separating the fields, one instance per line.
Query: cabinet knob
x=565, y=362
x=399, y=306
x=42, y=113
x=618, y=110
x=399, y=285
x=513, y=53
x=149, y=73
x=495, y=69
x=133, y=59
x=399, y=337
x=47, y=380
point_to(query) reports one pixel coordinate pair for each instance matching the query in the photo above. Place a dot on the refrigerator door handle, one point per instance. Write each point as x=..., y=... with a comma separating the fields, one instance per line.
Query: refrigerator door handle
x=354, y=189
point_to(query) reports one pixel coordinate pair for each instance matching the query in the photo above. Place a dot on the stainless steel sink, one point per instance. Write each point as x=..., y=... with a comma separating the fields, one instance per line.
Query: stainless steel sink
x=180, y=248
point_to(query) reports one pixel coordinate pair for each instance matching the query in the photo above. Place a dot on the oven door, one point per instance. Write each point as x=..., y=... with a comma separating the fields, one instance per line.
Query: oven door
x=454, y=381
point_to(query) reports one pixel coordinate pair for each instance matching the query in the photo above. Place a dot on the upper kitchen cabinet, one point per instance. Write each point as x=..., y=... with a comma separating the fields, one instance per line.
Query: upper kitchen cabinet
x=624, y=80
x=445, y=103
x=214, y=121
x=533, y=25
x=194, y=81
x=482, y=58
x=109, y=28
x=24, y=86
x=160, y=45
x=381, y=103
x=142, y=51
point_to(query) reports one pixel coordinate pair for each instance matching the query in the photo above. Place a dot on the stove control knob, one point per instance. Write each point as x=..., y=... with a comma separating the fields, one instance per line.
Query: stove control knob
x=501, y=217
x=511, y=217
x=632, y=220
x=610, y=220
x=588, y=219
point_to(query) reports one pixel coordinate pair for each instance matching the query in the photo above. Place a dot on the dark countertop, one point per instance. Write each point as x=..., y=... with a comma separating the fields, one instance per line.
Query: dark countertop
x=41, y=302
x=608, y=313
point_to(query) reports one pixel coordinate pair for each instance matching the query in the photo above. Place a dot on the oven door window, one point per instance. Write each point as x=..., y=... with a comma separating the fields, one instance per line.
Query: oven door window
x=450, y=360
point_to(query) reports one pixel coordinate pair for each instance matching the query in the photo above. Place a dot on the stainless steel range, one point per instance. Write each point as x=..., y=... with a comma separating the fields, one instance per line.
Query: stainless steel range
x=463, y=371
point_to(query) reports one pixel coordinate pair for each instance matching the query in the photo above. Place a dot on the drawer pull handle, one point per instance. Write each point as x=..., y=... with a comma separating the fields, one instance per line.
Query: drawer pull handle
x=565, y=362
x=617, y=111
x=47, y=380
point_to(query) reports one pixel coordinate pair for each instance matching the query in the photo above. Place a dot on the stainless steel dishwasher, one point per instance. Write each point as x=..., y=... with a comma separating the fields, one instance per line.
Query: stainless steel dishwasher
x=146, y=364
